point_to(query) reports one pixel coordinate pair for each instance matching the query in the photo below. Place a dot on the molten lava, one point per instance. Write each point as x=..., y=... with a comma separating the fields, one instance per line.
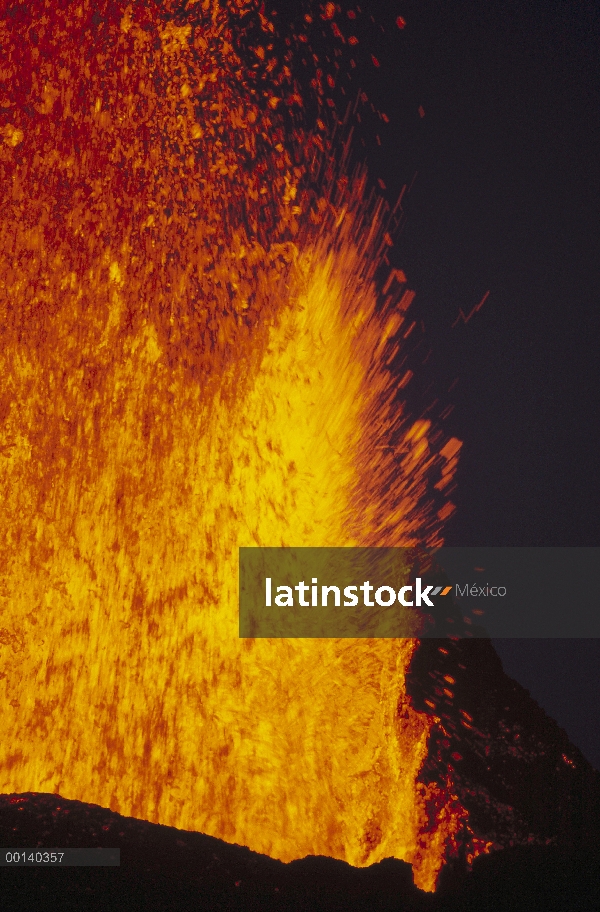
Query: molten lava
x=195, y=357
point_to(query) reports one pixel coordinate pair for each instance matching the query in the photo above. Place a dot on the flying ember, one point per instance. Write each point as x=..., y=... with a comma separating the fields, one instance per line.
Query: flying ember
x=195, y=356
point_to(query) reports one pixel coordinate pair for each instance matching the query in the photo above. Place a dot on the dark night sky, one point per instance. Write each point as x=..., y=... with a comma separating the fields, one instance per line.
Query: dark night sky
x=507, y=200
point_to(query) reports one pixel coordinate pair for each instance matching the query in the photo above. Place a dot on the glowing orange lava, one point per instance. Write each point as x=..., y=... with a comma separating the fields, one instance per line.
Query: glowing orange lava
x=194, y=358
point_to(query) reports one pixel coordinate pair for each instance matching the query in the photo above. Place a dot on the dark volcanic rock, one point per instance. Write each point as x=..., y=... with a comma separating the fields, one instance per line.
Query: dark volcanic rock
x=513, y=768
x=167, y=869
x=528, y=879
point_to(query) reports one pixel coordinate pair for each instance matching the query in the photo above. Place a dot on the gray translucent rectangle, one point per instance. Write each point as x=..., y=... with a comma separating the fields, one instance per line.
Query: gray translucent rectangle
x=473, y=592
x=59, y=858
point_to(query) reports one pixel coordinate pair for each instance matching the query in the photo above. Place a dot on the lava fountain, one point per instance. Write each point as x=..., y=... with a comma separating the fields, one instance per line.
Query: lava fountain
x=195, y=357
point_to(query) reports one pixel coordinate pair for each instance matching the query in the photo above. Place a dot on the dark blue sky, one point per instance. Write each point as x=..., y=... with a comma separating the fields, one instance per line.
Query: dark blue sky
x=506, y=199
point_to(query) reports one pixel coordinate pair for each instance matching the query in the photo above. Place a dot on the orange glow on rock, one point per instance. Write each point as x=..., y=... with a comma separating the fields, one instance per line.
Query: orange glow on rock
x=194, y=358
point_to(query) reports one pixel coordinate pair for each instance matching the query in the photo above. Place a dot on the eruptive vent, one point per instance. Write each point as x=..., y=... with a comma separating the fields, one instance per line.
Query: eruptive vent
x=195, y=351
